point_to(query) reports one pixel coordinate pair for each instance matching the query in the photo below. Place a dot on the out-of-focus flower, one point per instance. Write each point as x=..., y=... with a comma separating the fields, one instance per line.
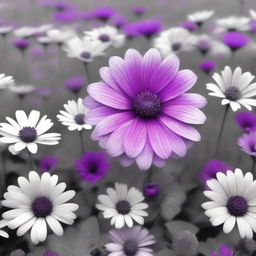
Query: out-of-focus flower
x=139, y=10
x=107, y=34
x=75, y=84
x=232, y=23
x=223, y=251
x=123, y=206
x=246, y=121
x=253, y=14
x=130, y=241
x=74, y=116
x=200, y=17
x=44, y=40
x=247, y=143
x=60, y=36
x=43, y=92
x=103, y=13
x=5, y=81
x=118, y=21
x=28, y=131
x=92, y=166
x=48, y=163
x=4, y=30
x=85, y=49
x=36, y=202
x=21, y=44
x=21, y=90
x=151, y=190
x=144, y=118
x=173, y=41
x=24, y=32
x=189, y=25
x=3, y=223
x=247, y=246
x=235, y=40
x=211, y=168
x=232, y=200
x=207, y=66
x=235, y=88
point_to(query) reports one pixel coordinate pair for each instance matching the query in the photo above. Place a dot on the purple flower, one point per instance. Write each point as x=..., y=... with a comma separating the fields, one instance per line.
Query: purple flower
x=211, y=168
x=189, y=25
x=130, y=241
x=235, y=40
x=21, y=44
x=207, y=66
x=104, y=13
x=141, y=109
x=62, y=6
x=246, y=121
x=223, y=251
x=139, y=10
x=252, y=26
x=68, y=16
x=151, y=190
x=92, y=166
x=118, y=21
x=74, y=84
x=130, y=30
x=149, y=28
x=48, y=163
x=43, y=92
x=247, y=143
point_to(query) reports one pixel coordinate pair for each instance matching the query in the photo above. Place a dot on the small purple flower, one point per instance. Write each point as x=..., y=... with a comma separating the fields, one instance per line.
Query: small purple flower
x=130, y=30
x=151, y=190
x=21, y=44
x=235, y=40
x=104, y=13
x=204, y=46
x=142, y=110
x=223, y=251
x=139, y=10
x=211, y=168
x=246, y=121
x=92, y=166
x=43, y=92
x=207, y=66
x=62, y=6
x=149, y=28
x=189, y=25
x=48, y=163
x=118, y=21
x=247, y=143
x=74, y=84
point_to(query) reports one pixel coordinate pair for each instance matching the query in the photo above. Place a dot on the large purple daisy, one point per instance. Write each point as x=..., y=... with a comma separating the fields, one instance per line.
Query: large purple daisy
x=141, y=109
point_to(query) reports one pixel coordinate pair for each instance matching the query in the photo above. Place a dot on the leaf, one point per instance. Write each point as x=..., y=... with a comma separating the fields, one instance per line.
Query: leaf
x=179, y=225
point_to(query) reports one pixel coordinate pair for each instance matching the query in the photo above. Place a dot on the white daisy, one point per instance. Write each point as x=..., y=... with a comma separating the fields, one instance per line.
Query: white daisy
x=4, y=30
x=60, y=36
x=232, y=23
x=74, y=115
x=253, y=14
x=28, y=131
x=36, y=202
x=174, y=40
x=84, y=49
x=22, y=89
x=123, y=206
x=233, y=200
x=107, y=34
x=24, y=32
x=235, y=88
x=5, y=81
x=200, y=17
x=4, y=234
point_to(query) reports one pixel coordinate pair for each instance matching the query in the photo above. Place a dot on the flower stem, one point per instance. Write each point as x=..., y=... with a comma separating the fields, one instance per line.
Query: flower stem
x=30, y=161
x=221, y=130
x=81, y=141
x=3, y=179
x=253, y=164
x=87, y=72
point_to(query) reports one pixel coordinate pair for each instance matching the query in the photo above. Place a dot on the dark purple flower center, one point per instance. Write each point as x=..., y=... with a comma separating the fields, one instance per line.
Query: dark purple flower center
x=176, y=46
x=147, y=105
x=237, y=206
x=233, y=93
x=79, y=118
x=42, y=207
x=86, y=55
x=93, y=168
x=28, y=134
x=130, y=248
x=104, y=38
x=123, y=207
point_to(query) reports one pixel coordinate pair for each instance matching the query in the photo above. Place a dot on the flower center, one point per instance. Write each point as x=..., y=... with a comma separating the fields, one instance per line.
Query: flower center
x=233, y=93
x=79, y=118
x=123, y=207
x=42, y=206
x=93, y=168
x=237, y=206
x=176, y=46
x=28, y=134
x=130, y=248
x=86, y=55
x=151, y=190
x=147, y=105
x=104, y=38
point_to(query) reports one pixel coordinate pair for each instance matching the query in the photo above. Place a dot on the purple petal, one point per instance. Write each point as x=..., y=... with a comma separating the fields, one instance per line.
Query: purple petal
x=90, y=103
x=106, y=76
x=158, y=162
x=125, y=161
x=144, y=160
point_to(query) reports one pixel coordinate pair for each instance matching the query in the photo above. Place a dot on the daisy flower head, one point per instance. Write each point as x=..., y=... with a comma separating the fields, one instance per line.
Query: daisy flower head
x=224, y=250
x=21, y=90
x=247, y=143
x=253, y=14
x=235, y=40
x=4, y=30
x=207, y=66
x=48, y=163
x=5, y=81
x=21, y=44
x=130, y=242
x=173, y=41
x=123, y=206
x=189, y=25
x=28, y=131
x=246, y=121
x=24, y=32
x=84, y=49
x=3, y=223
x=36, y=203
x=92, y=166
x=234, y=87
x=104, y=13
x=108, y=35
x=200, y=17
x=75, y=84
x=232, y=23
x=60, y=36
x=74, y=115
x=232, y=201
x=141, y=109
